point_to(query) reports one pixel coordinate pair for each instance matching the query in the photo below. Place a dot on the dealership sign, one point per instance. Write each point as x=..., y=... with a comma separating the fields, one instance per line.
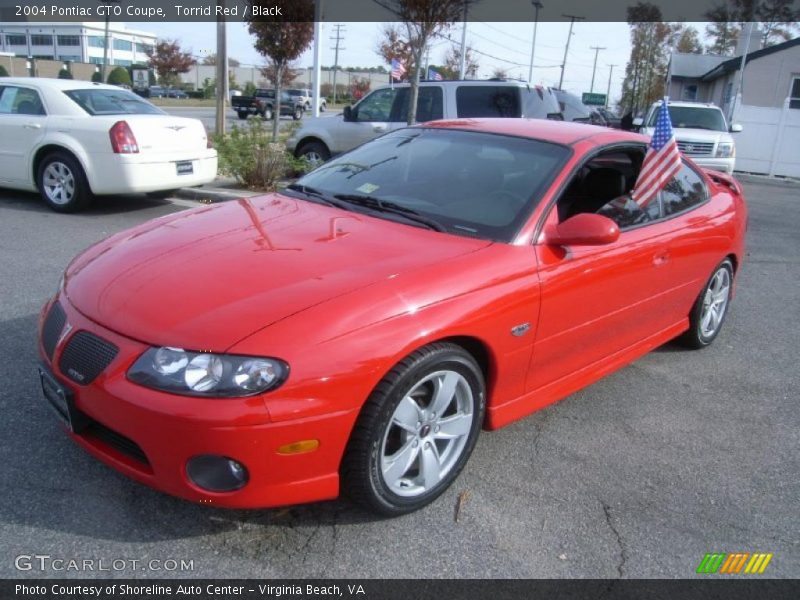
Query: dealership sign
x=592, y=99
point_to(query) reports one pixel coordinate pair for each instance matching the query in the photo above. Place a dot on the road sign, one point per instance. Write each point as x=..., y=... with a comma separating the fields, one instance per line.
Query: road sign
x=592, y=99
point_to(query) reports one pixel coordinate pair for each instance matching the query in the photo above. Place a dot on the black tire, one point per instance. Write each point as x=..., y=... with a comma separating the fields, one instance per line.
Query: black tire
x=63, y=162
x=361, y=472
x=243, y=114
x=161, y=194
x=298, y=114
x=696, y=337
x=314, y=152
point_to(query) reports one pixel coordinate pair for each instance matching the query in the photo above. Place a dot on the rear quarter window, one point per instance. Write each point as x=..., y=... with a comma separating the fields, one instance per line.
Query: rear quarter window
x=488, y=101
x=112, y=102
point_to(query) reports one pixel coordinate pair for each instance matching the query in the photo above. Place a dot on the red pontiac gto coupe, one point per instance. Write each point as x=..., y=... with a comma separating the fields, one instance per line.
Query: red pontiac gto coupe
x=359, y=328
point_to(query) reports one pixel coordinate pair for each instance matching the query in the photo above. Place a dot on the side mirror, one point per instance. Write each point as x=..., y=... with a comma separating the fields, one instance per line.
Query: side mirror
x=349, y=114
x=584, y=229
x=736, y=128
x=638, y=122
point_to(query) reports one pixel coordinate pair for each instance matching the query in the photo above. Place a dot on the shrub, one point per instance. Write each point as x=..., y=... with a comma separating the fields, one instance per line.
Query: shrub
x=247, y=155
x=119, y=76
x=3, y=72
x=65, y=74
x=249, y=89
x=97, y=77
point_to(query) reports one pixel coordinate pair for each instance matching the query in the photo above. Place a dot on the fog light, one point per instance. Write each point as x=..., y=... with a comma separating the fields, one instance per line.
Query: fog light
x=216, y=473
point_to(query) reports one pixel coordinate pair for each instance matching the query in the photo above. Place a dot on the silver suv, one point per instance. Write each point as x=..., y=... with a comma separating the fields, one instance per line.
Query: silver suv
x=701, y=132
x=385, y=109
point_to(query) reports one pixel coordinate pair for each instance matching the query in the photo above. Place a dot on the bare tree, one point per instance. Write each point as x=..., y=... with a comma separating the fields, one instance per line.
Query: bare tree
x=499, y=73
x=282, y=42
x=423, y=19
x=211, y=59
x=452, y=62
x=393, y=44
x=689, y=42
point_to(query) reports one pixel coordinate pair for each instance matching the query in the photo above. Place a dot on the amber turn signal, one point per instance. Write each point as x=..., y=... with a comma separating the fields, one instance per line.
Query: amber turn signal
x=299, y=447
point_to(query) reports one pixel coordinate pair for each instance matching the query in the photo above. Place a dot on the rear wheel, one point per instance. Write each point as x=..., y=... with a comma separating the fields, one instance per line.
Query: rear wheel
x=267, y=114
x=711, y=307
x=62, y=183
x=298, y=114
x=242, y=114
x=416, y=431
x=315, y=153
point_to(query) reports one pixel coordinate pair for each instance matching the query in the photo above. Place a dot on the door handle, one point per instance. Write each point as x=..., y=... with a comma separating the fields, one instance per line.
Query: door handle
x=379, y=128
x=32, y=126
x=661, y=259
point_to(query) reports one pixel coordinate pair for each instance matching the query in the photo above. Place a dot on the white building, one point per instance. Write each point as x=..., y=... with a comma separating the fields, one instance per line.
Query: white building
x=77, y=42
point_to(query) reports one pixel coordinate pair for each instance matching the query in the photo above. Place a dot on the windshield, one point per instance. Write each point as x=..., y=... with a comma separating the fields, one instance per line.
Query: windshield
x=112, y=102
x=693, y=117
x=468, y=183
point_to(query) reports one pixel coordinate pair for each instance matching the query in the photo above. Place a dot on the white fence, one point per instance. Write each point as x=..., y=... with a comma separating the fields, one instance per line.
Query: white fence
x=770, y=140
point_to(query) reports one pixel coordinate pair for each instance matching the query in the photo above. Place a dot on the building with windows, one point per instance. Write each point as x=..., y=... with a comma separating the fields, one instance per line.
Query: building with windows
x=76, y=42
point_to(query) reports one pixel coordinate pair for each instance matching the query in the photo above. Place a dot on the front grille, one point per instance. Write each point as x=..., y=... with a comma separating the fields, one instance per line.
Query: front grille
x=51, y=330
x=115, y=440
x=85, y=357
x=696, y=148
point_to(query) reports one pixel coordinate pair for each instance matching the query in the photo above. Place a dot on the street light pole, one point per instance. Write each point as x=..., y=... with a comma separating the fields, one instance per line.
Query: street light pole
x=608, y=90
x=572, y=19
x=594, y=68
x=463, y=65
x=537, y=6
x=221, y=70
x=105, y=38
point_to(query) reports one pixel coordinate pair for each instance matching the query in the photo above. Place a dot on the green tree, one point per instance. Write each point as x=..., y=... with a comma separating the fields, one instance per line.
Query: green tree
x=3, y=72
x=119, y=76
x=97, y=77
x=65, y=74
x=282, y=42
x=689, y=42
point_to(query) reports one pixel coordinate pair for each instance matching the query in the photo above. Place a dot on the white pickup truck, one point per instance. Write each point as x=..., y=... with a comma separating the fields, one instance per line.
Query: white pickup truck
x=305, y=96
x=701, y=132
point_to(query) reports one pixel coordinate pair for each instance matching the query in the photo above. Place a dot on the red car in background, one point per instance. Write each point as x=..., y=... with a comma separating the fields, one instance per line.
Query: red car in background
x=358, y=329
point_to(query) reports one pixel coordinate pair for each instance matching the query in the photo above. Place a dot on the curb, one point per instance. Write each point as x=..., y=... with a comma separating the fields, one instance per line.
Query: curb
x=767, y=179
x=213, y=195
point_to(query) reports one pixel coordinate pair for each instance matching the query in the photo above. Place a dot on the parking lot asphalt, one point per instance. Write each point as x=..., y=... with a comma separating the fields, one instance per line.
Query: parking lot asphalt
x=679, y=454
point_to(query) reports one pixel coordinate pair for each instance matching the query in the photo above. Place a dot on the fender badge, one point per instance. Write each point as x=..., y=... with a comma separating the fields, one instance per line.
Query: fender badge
x=521, y=329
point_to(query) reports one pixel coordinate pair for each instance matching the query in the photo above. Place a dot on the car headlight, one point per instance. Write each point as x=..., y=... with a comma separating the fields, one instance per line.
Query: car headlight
x=725, y=150
x=205, y=374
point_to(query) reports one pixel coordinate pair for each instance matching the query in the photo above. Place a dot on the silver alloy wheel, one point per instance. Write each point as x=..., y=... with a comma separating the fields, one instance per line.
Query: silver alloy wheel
x=313, y=158
x=59, y=183
x=715, y=302
x=427, y=433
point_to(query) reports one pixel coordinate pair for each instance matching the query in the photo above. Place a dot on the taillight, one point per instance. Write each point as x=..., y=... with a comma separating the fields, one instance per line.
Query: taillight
x=122, y=139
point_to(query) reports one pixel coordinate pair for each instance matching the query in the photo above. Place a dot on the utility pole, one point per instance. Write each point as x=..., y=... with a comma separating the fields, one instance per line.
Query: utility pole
x=338, y=39
x=608, y=90
x=315, y=103
x=221, y=70
x=537, y=6
x=463, y=65
x=594, y=68
x=572, y=19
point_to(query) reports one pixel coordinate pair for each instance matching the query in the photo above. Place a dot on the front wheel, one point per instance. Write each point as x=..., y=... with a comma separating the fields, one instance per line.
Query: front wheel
x=711, y=307
x=243, y=114
x=62, y=183
x=298, y=114
x=416, y=431
x=267, y=114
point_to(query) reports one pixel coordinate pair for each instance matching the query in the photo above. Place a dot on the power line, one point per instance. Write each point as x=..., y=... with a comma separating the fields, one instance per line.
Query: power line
x=338, y=38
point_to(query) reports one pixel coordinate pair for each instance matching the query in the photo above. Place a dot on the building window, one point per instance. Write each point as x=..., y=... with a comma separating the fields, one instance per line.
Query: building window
x=43, y=56
x=95, y=41
x=96, y=60
x=41, y=40
x=123, y=45
x=690, y=92
x=143, y=48
x=122, y=63
x=794, y=95
x=69, y=58
x=69, y=40
x=16, y=40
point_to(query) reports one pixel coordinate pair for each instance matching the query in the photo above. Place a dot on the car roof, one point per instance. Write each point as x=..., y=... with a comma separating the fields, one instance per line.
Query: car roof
x=59, y=84
x=687, y=103
x=559, y=132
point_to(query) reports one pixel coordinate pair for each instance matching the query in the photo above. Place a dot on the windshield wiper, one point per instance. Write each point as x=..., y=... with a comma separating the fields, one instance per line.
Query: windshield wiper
x=316, y=194
x=388, y=206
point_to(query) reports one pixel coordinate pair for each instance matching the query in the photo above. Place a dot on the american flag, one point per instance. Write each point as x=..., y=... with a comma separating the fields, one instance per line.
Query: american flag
x=434, y=75
x=662, y=161
x=398, y=69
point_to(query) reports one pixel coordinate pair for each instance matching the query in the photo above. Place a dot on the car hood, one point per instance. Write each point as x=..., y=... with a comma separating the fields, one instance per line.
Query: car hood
x=701, y=135
x=207, y=278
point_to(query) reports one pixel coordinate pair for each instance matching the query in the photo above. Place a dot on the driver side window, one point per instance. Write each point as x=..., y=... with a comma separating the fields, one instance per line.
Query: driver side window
x=377, y=106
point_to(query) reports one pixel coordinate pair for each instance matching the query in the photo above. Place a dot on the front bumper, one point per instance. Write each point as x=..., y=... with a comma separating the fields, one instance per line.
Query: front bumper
x=150, y=435
x=141, y=173
x=725, y=165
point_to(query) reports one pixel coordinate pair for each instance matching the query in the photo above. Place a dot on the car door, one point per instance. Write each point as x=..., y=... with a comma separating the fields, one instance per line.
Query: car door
x=22, y=125
x=600, y=301
x=370, y=118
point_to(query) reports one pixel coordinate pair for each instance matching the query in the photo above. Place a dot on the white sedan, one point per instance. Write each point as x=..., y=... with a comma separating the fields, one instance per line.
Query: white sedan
x=72, y=140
